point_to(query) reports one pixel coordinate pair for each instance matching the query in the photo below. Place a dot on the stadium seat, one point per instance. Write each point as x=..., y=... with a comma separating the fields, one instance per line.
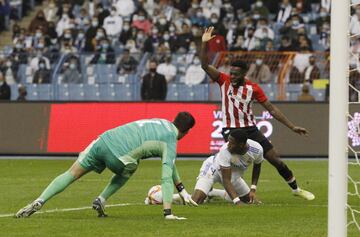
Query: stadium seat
x=172, y=92
x=193, y=93
x=76, y=91
x=14, y=91
x=91, y=92
x=63, y=90
x=123, y=92
x=39, y=92
x=107, y=92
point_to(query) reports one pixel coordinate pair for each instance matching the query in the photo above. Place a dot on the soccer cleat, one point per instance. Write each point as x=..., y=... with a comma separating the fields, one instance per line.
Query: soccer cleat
x=29, y=209
x=99, y=207
x=304, y=194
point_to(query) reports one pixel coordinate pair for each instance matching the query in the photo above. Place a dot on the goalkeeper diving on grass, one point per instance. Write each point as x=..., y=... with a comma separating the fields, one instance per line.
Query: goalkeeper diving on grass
x=120, y=150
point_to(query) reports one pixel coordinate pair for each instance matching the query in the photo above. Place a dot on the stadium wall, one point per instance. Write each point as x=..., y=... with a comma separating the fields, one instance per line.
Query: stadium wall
x=66, y=128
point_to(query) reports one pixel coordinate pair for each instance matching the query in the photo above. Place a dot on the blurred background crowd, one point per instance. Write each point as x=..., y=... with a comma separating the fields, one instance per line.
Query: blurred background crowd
x=148, y=49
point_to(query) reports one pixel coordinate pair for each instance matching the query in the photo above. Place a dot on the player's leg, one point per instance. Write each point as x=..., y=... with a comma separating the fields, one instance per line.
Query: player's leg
x=241, y=188
x=205, y=181
x=61, y=182
x=287, y=174
x=122, y=174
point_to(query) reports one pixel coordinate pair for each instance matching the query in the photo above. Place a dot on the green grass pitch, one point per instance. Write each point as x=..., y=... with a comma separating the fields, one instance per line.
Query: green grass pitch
x=280, y=215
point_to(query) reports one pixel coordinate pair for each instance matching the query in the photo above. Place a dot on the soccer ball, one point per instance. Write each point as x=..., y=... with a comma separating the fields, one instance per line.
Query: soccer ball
x=155, y=195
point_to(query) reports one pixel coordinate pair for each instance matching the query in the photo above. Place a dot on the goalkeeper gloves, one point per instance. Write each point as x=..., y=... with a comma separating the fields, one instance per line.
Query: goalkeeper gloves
x=185, y=196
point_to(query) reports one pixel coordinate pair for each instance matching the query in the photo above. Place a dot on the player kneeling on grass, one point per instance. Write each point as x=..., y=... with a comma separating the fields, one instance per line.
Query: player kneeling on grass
x=227, y=167
x=120, y=149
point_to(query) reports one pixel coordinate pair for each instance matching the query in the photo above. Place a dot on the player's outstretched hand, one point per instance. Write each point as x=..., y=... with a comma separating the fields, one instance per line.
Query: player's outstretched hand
x=172, y=217
x=252, y=197
x=300, y=130
x=186, y=197
x=207, y=34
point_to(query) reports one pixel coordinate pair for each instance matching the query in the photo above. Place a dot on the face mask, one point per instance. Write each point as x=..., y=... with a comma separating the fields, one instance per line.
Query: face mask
x=256, y=16
x=113, y=13
x=38, y=34
x=172, y=28
x=126, y=27
x=99, y=35
x=65, y=16
x=259, y=4
x=233, y=26
x=41, y=66
x=295, y=23
x=67, y=36
x=194, y=5
x=18, y=46
x=155, y=31
x=105, y=46
x=95, y=23
x=166, y=37
x=140, y=37
x=40, y=46
x=72, y=66
x=323, y=14
x=8, y=64
x=194, y=31
x=196, y=61
x=81, y=35
x=141, y=18
x=192, y=49
x=258, y=62
x=230, y=15
x=214, y=20
x=162, y=21
x=53, y=41
x=199, y=14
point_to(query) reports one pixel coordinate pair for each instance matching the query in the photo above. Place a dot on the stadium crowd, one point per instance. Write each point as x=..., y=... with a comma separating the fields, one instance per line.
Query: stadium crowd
x=121, y=32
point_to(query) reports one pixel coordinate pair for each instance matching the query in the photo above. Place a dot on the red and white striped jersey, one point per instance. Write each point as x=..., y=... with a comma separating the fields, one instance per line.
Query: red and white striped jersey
x=237, y=102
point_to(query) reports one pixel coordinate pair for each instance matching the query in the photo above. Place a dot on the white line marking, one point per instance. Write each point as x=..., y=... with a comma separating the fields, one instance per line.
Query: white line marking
x=75, y=209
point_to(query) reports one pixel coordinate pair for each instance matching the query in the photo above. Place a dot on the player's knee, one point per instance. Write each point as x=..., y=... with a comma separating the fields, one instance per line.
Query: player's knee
x=273, y=157
x=198, y=196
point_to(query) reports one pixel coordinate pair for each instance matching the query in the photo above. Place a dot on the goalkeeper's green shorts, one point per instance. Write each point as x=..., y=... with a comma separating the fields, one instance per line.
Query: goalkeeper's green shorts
x=97, y=156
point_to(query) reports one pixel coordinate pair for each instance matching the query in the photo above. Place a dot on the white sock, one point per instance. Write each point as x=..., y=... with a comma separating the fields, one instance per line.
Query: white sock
x=102, y=199
x=219, y=193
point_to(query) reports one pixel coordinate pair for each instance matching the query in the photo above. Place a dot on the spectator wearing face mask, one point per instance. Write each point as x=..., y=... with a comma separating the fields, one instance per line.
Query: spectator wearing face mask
x=142, y=23
x=217, y=24
x=80, y=41
x=126, y=33
x=19, y=54
x=153, y=86
x=261, y=9
x=71, y=74
x=39, y=21
x=100, y=35
x=152, y=42
x=259, y=72
x=42, y=75
x=63, y=24
x=167, y=69
x=82, y=19
x=5, y=90
x=113, y=24
x=105, y=54
x=199, y=19
x=91, y=34
x=194, y=73
x=50, y=11
x=263, y=31
x=162, y=24
x=34, y=63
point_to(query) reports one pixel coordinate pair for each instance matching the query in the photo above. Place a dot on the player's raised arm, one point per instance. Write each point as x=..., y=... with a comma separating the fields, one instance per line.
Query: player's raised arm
x=210, y=70
x=278, y=115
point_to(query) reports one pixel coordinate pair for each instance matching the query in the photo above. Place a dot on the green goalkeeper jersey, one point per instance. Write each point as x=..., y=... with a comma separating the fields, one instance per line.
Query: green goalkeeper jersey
x=143, y=139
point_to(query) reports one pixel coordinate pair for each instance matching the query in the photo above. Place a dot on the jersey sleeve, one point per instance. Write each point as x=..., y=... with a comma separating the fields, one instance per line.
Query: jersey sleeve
x=259, y=94
x=222, y=78
x=260, y=156
x=224, y=158
x=168, y=166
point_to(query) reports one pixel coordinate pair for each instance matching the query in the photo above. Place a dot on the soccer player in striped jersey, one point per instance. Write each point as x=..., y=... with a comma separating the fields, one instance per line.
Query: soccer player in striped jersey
x=228, y=167
x=120, y=150
x=237, y=95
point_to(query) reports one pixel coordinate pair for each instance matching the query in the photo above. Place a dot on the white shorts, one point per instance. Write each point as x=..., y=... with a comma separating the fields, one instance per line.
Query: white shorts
x=208, y=176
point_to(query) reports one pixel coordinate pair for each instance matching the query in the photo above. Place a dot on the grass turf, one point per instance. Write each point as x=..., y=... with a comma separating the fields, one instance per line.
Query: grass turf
x=281, y=214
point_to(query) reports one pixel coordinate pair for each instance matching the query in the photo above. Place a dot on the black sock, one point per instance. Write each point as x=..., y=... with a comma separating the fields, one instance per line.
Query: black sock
x=286, y=173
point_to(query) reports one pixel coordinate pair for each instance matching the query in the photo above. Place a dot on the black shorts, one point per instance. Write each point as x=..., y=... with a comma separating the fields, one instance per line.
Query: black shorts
x=253, y=134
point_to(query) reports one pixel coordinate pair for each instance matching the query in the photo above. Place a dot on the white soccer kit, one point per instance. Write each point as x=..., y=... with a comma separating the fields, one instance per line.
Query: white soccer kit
x=210, y=172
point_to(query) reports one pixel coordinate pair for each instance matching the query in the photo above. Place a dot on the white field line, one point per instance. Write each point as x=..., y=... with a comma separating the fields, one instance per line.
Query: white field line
x=140, y=204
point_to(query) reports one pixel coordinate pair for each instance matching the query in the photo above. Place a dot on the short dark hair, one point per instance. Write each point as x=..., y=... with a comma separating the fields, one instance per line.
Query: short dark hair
x=238, y=63
x=184, y=121
x=239, y=135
